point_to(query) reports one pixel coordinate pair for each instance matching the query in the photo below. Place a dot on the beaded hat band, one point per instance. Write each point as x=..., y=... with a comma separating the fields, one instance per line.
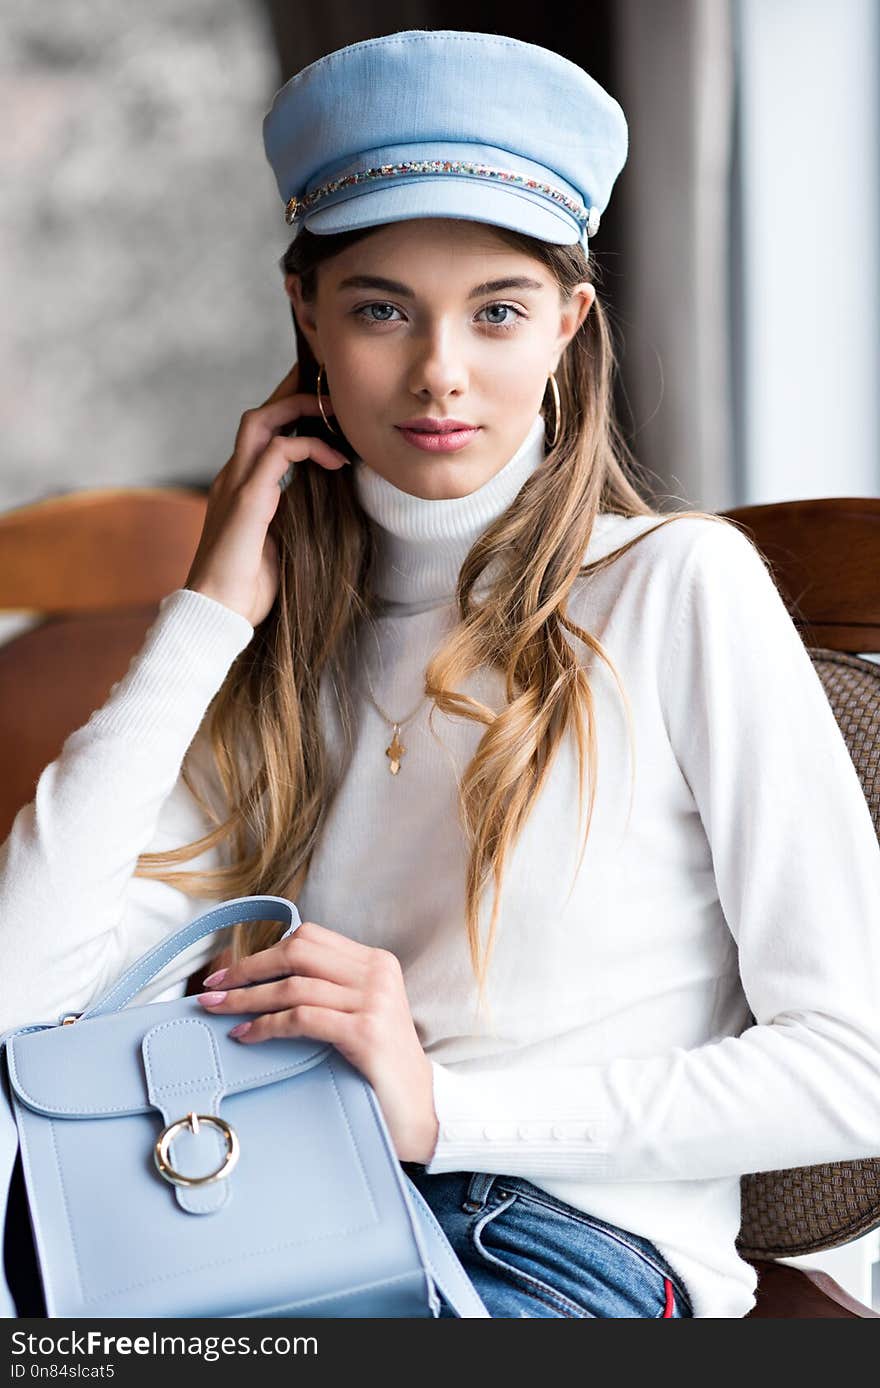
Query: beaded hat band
x=587, y=219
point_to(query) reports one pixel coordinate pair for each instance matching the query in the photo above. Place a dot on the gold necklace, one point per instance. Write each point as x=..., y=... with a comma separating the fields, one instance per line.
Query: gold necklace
x=395, y=749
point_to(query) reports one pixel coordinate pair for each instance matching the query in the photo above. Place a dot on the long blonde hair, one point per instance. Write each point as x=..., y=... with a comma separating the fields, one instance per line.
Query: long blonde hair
x=266, y=752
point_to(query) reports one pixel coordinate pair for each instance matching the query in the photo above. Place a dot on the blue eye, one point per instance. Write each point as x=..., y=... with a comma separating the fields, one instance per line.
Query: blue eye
x=366, y=308
x=364, y=312
x=505, y=327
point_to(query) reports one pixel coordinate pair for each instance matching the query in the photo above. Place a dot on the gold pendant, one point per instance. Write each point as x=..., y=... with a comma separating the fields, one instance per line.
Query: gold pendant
x=395, y=751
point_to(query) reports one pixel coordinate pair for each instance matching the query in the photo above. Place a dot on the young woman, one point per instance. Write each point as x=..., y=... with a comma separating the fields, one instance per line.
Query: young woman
x=388, y=682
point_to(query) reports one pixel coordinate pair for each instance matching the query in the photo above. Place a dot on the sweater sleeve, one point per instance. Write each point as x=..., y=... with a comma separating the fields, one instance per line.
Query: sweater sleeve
x=72, y=916
x=797, y=867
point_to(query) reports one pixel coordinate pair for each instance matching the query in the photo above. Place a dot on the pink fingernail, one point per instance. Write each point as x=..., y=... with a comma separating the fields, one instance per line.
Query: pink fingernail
x=240, y=1029
x=216, y=977
x=210, y=998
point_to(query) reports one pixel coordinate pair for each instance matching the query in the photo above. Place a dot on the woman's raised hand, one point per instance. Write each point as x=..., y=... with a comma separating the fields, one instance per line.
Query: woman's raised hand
x=236, y=562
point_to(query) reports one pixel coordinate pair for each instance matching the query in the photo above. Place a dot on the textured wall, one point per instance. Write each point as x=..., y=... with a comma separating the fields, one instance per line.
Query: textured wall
x=140, y=230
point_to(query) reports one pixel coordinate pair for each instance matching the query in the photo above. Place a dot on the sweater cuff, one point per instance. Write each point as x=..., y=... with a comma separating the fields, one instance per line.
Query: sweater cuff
x=171, y=680
x=532, y=1124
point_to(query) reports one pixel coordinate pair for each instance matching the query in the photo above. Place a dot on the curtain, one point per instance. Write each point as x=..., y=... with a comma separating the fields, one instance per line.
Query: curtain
x=675, y=69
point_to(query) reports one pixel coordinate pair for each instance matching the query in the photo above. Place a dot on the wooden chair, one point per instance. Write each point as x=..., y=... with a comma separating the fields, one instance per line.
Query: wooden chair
x=825, y=556
x=96, y=563
x=93, y=565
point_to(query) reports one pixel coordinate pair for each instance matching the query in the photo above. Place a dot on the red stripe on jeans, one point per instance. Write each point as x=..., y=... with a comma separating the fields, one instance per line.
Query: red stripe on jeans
x=669, y=1309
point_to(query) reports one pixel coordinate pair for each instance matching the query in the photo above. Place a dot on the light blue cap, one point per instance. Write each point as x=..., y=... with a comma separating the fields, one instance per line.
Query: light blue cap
x=446, y=123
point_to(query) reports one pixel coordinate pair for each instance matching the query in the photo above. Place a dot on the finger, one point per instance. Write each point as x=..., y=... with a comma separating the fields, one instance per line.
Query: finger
x=328, y=959
x=274, y=413
x=295, y=956
x=322, y=1023
x=259, y=429
x=275, y=467
x=284, y=450
x=315, y=933
x=312, y=948
x=283, y=993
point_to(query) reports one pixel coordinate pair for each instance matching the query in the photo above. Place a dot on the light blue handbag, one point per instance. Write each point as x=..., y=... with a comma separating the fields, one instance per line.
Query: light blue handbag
x=171, y=1171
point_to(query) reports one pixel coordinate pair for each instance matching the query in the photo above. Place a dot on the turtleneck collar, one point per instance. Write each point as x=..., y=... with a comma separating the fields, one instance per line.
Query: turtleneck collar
x=421, y=543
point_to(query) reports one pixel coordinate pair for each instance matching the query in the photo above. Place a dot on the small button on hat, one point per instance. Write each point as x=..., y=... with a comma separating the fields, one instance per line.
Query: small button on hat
x=446, y=123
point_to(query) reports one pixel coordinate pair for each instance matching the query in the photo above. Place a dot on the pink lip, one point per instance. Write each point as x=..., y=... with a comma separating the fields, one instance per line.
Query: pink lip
x=449, y=442
x=429, y=424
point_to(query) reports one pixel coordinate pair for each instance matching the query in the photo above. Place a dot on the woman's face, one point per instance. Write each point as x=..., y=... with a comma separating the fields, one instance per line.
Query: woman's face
x=428, y=338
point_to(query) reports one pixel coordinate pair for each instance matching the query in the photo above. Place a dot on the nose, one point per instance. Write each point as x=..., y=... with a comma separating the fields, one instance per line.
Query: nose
x=438, y=369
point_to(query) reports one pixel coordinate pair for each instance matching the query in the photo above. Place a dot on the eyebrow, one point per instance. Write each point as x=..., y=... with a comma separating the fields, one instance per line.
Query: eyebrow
x=395, y=286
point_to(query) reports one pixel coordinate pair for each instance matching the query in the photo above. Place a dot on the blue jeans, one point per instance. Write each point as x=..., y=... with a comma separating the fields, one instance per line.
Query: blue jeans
x=529, y=1254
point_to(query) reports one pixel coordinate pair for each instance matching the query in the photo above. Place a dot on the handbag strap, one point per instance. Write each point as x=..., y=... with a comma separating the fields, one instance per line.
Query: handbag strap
x=237, y=908
x=443, y=1261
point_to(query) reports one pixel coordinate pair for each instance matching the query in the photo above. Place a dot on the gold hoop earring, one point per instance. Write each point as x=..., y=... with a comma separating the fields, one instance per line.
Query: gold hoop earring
x=557, y=409
x=321, y=403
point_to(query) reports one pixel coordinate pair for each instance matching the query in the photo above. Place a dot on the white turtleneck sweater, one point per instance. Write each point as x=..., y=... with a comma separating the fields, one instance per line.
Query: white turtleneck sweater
x=621, y=1070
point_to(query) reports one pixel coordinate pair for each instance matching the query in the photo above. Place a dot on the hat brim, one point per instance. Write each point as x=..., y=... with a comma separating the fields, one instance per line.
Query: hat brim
x=504, y=206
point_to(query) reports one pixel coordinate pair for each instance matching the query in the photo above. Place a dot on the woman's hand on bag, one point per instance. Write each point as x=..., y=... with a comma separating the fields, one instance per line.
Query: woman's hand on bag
x=236, y=562
x=334, y=989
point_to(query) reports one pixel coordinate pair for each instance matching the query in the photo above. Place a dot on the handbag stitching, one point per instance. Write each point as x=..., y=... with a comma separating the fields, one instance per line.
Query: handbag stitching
x=21, y=1088
x=201, y=1267
x=181, y=1084
x=352, y=1136
x=333, y=1296
x=216, y=1075
x=67, y=1215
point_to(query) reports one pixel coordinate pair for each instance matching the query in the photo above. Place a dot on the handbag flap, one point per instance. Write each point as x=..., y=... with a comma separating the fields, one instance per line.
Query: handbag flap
x=96, y=1067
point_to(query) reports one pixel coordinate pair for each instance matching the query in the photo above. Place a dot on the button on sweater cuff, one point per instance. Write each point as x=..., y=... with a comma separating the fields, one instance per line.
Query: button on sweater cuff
x=494, y=1123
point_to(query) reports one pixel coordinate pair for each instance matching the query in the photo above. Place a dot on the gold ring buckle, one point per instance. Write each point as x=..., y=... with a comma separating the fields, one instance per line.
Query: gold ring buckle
x=192, y=1120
